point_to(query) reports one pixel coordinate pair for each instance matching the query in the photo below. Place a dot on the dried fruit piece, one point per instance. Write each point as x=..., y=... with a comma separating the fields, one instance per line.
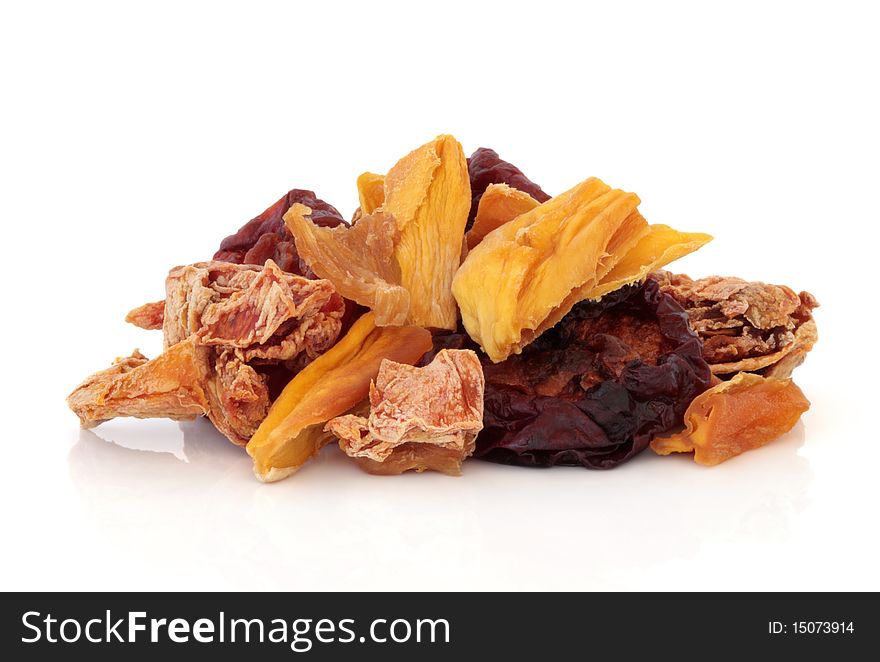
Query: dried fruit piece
x=657, y=246
x=485, y=167
x=400, y=260
x=227, y=329
x=266, y=237
x=527, y=274
x=150, y=316
x=732, y=417
x=263, y=312
x=497, y=206
x=171, y=386
x=594, y=389
x=420, y=418
x=371, y=192
x=358, y=260
x=428, y=193
x=747, y=326
x=331, y=385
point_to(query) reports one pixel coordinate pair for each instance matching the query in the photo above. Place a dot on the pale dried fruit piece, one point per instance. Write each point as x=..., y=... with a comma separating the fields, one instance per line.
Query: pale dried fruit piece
x=371, y=192
x=170, y=386
x=358, y=260
x=400, y=260
x=150, y=316
x=747, y=326
x=262, y=311
x=218, y=319
x=523, y=277
x=293, y=430
x=420, y=418
x=500, y=204
x=732, y=417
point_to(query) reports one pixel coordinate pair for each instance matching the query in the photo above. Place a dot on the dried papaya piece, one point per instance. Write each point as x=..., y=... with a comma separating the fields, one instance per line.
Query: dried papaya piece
x=420, y=418
x=732, y=417
x=498, y=205
x=330, y=386
x=371, y=192
x=399, y=260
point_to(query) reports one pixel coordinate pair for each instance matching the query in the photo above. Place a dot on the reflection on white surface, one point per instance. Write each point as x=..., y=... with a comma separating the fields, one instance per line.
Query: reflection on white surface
x=198, y=512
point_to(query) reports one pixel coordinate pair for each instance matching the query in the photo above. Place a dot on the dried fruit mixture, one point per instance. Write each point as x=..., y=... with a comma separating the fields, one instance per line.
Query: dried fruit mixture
x=464, y=312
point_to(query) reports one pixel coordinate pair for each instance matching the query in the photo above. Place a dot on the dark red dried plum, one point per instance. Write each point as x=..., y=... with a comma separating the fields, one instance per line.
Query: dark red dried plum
x=486, y=167
x=266, y=236
x=596, y=388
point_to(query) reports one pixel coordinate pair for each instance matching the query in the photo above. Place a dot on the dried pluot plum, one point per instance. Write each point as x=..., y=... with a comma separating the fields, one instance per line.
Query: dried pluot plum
x=266, y=236
x=486, y=167
x=596, y=388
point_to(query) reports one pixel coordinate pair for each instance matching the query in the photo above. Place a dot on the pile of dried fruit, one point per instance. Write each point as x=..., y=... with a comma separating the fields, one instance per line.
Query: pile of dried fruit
x=464, y=311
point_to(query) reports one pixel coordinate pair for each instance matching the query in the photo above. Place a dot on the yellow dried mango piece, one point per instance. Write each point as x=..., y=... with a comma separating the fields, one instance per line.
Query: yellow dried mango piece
x=656, y=248
x=358, y=260
x=526, y=274
x=500, y=204
x=399, y=260
x=429, y=193
x=371, y=192
x=329, y=386
x=520, y=279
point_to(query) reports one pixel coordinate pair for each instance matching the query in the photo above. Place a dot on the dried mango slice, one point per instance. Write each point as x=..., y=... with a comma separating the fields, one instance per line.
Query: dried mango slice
x=525, y=276
x=732, y=417
x=400, y=260
x=371, y=192
x=358, y=260
x=515, y=282
x=331, y=385
x=500, y=204
x=429, y=192
x=656, y=248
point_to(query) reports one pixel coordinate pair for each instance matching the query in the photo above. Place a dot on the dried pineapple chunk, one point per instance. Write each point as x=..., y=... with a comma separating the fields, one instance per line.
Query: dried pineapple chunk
x=330, y=386
x=525, y=276
x=399, y=260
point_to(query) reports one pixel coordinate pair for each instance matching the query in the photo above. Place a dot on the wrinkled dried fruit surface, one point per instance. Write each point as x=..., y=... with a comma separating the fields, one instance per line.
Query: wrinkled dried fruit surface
x=171, y=386
x=485, y=167
x=420, y=418
x=150, y=316
x=267, y=238
x=524, y=277
x=229, y=330
x=500, y=204
x=596, y=388
x=747, y=326
x=732, y=417
x=358, y=260
x=262, y=312
x=293, y=430
x=400, y=260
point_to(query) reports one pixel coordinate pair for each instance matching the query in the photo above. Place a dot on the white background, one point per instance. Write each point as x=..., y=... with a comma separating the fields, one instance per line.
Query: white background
x=135, y=139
